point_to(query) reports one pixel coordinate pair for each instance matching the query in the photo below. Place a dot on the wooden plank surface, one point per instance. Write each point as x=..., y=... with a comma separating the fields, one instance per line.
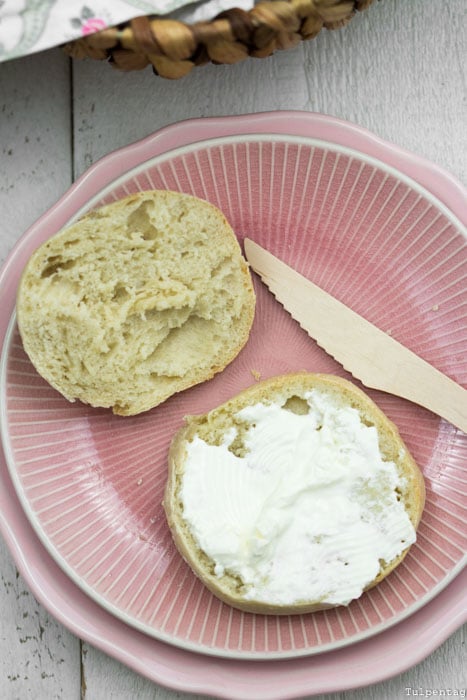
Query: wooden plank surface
x=398, y=69
x=39, y=658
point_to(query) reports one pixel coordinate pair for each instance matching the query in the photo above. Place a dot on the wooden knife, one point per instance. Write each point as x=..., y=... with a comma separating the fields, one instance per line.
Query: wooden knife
x=379, y=361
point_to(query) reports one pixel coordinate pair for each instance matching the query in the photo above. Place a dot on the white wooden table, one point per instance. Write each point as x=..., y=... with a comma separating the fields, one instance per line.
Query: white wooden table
x=399, y=69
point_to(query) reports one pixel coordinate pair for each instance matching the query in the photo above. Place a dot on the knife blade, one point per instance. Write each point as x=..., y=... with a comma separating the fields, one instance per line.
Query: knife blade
x=368, y=353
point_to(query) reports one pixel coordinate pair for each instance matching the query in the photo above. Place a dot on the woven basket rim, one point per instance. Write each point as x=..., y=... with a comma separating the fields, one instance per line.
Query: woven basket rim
x=173, y=48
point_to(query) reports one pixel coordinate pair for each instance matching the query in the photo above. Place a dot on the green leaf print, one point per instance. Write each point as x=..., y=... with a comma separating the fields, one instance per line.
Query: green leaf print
x=34, y=17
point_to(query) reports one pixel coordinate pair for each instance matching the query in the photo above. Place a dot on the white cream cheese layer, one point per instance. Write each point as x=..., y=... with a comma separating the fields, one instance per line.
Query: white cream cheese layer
x=310, y=511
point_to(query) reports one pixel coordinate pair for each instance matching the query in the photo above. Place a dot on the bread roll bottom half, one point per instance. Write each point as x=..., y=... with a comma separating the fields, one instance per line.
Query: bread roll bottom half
x=296, y=495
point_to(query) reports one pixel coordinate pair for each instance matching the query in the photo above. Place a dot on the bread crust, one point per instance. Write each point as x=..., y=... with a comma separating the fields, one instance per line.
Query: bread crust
x=281, y=388
x=107, y=307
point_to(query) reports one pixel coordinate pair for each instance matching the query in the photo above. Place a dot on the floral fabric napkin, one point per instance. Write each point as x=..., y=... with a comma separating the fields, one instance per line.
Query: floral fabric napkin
x=27, y=26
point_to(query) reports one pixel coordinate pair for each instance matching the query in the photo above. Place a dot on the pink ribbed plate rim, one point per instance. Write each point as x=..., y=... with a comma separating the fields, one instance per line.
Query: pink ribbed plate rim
x=329, y=630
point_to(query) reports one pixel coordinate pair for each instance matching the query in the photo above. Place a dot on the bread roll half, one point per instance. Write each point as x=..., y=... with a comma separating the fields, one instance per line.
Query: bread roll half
x=136, y=301
x=296, y=495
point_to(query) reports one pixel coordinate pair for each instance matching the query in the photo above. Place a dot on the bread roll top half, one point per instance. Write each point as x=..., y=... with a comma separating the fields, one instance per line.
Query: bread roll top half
x=136, y=301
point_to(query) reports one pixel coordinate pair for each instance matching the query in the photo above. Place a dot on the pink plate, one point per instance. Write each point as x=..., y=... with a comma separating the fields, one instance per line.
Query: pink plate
x=379, y=229
x=389, y=653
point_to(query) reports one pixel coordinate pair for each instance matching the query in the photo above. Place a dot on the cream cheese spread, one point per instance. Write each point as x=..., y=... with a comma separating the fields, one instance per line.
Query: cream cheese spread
x=308, y=514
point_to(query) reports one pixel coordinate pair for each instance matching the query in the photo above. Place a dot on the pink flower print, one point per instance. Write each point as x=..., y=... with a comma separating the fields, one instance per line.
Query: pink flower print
x=91, y=25
x=87, y=22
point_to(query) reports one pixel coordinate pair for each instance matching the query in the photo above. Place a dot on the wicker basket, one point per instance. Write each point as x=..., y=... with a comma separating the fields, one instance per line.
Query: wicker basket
x=174, y=48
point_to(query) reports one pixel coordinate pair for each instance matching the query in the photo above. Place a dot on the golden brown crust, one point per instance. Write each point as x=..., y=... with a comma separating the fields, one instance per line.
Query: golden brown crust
x=282, y=388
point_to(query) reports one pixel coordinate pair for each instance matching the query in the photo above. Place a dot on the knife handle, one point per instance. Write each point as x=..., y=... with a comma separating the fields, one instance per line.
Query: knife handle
x=430, y=388
x=405, y=374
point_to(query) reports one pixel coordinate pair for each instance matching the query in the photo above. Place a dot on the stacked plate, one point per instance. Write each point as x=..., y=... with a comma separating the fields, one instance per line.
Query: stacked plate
x=80, y=503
